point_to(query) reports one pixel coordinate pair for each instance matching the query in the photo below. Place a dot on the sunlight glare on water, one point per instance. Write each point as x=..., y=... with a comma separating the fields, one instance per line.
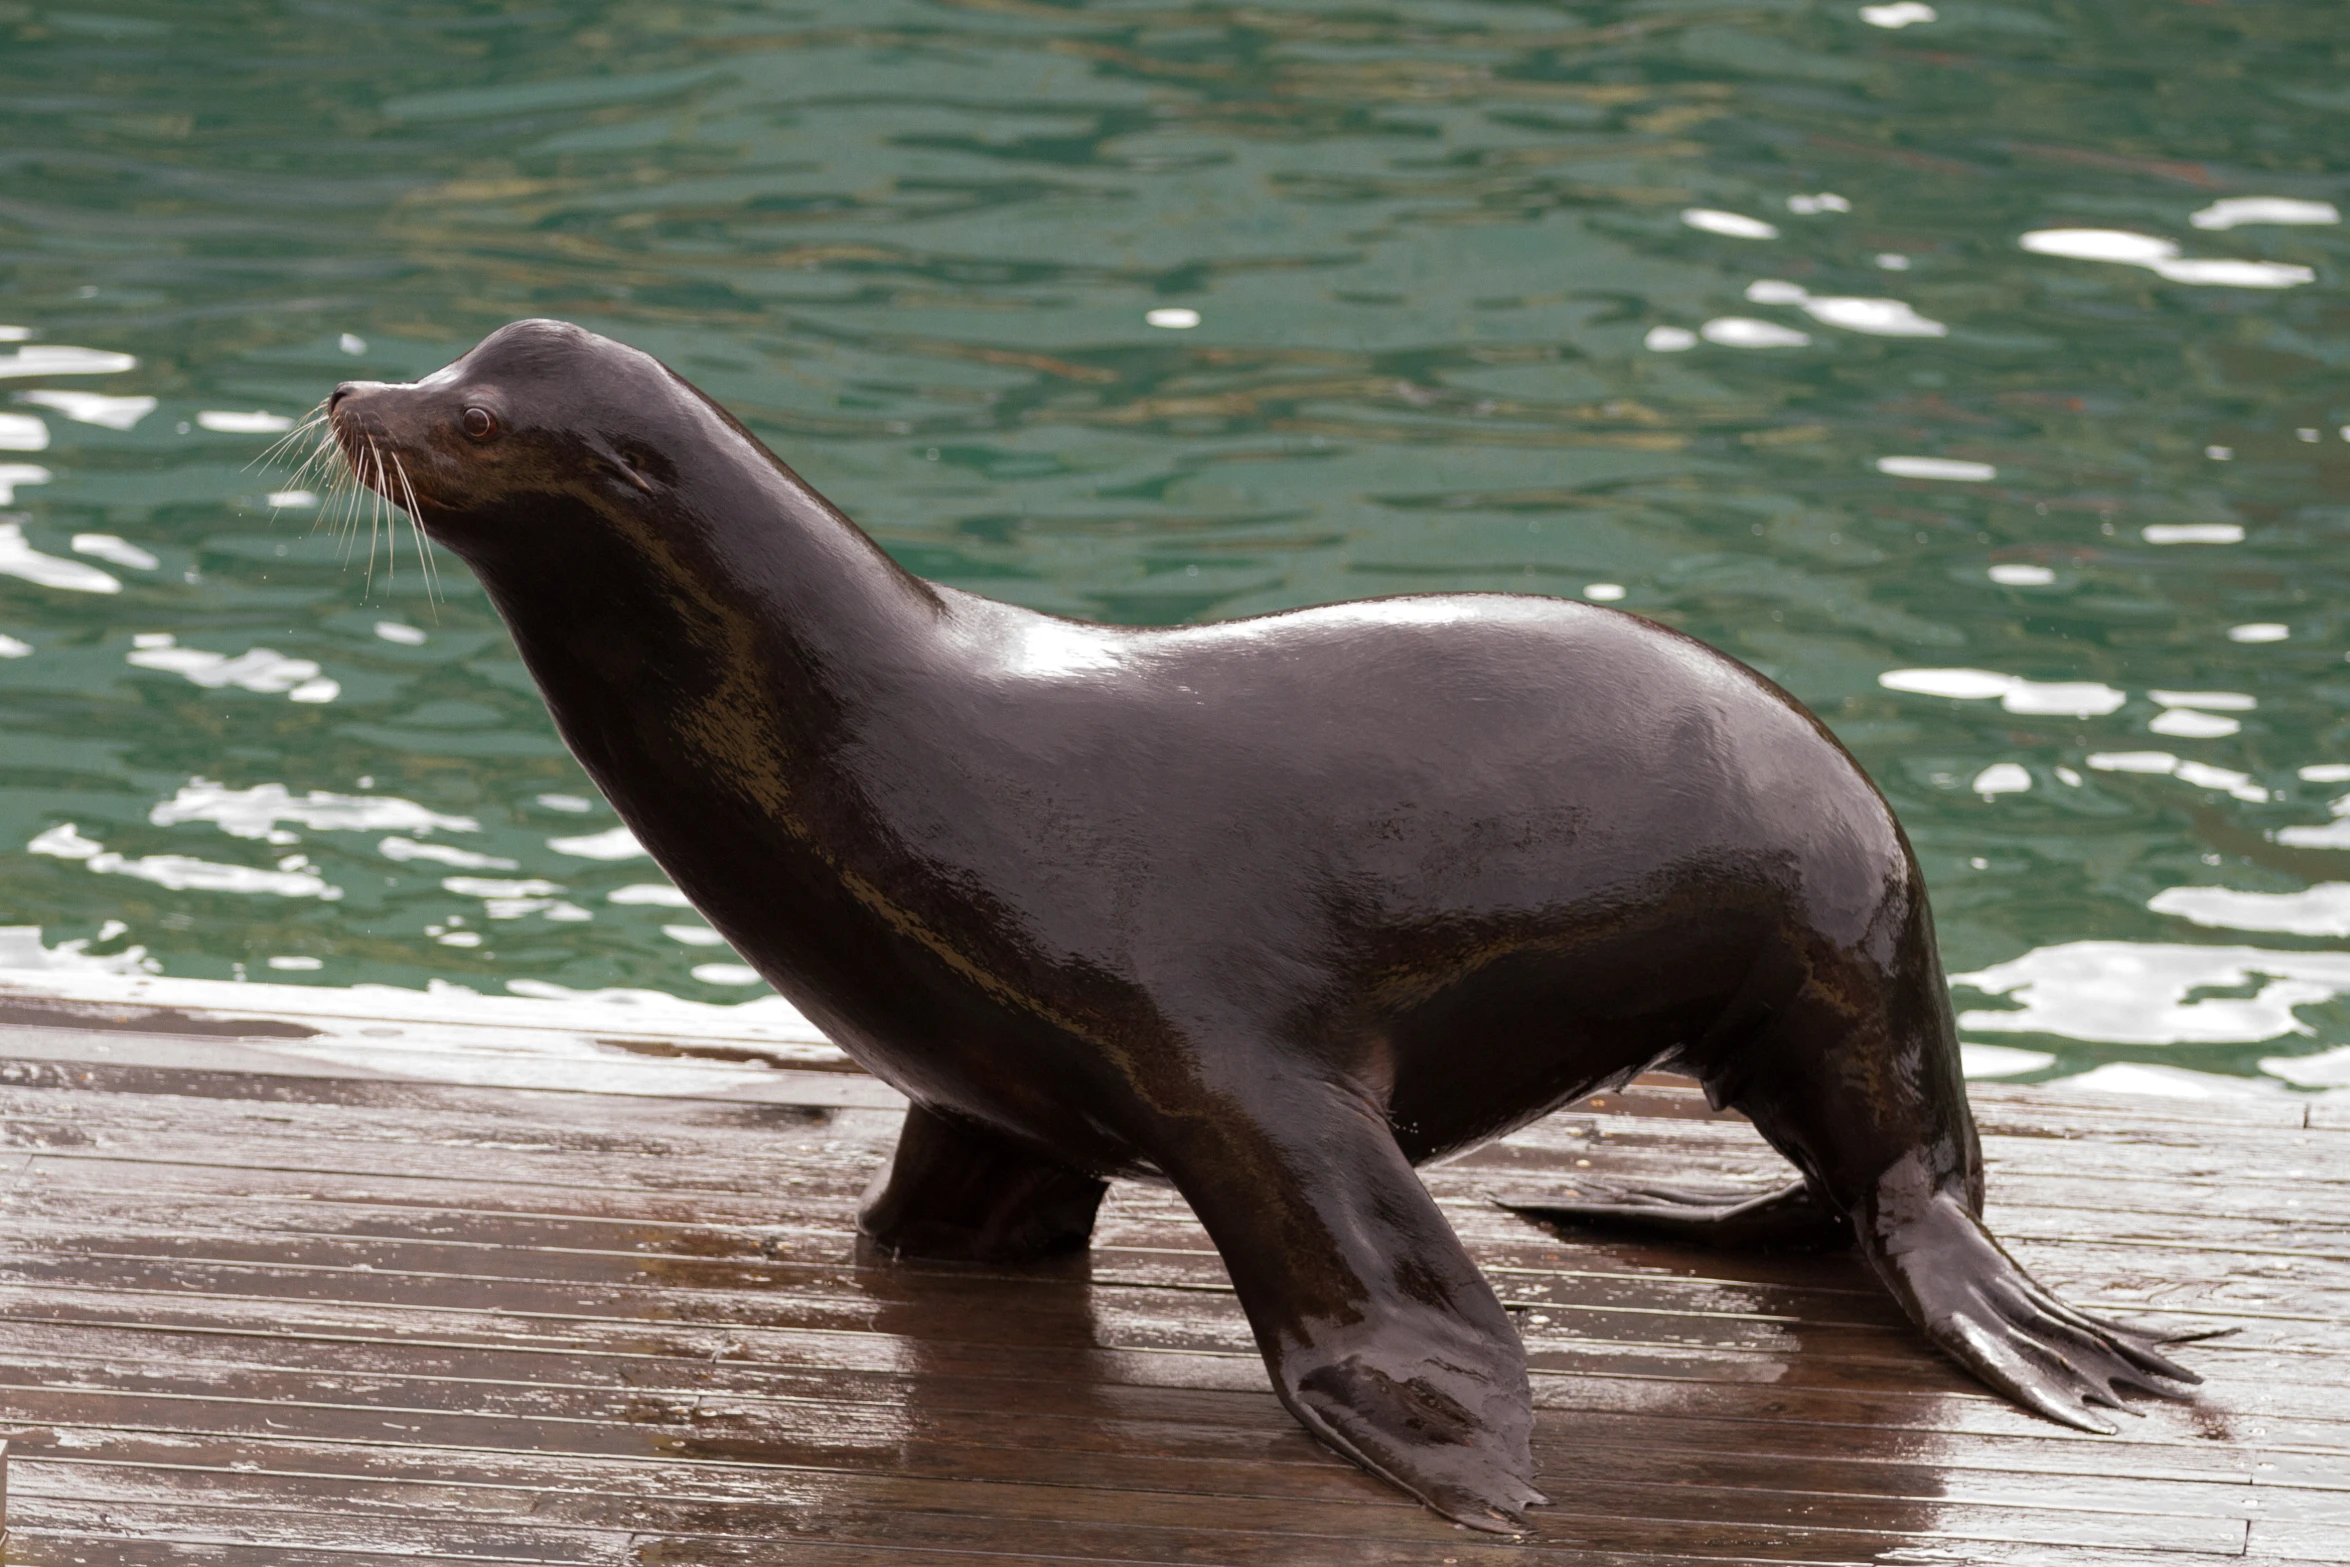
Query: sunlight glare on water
x=1919, y=355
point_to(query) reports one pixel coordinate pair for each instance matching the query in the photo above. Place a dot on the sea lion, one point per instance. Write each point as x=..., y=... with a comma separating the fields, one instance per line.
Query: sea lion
x=1275, y=909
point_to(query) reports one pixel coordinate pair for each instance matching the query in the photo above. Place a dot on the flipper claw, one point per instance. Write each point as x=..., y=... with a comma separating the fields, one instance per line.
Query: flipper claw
x=1979, y=1306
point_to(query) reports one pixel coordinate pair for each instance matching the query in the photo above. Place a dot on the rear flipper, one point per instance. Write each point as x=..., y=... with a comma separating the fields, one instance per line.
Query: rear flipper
x=1983, y=1310
x=1951, y=1278
x=1793, y=1219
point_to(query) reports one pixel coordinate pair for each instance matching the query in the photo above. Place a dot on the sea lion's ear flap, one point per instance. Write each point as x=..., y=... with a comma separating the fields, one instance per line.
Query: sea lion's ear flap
x=635, y=466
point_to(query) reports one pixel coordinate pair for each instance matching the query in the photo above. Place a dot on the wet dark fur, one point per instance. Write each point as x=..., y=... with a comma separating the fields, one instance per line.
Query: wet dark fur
x=1275, y=908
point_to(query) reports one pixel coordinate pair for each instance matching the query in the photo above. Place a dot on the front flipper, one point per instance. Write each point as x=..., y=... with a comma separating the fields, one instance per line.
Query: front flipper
x=1983, y=1310
x=1382, y=1337
x=1791, y=1219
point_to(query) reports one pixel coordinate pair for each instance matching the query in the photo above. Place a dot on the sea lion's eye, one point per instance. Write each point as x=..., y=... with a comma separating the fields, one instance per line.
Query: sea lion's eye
x=479, y=423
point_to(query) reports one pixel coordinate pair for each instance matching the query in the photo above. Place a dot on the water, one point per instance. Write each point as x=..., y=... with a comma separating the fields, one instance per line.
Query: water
x=1725, y=313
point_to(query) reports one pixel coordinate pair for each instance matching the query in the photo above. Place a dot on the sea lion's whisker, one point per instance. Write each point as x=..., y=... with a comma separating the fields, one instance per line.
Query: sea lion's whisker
x=376, y=522
x=340, y=487
x=347, y=516
x=326, y=451
x=310, y=421
x=328, y=517
x=278, y=448
x=346, y=497
x=387, y=509
x=416, y=530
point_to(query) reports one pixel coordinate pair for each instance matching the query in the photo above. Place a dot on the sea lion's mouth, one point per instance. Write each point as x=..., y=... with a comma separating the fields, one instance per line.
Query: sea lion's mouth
x=357, y=457
x=373, y=459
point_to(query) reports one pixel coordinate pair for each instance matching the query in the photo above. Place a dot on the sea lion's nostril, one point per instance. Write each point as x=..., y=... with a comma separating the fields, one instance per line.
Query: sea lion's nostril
x=336, y=400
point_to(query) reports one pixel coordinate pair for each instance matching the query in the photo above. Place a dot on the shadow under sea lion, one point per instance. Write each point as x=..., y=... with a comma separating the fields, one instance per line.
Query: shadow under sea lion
x=1276, y=908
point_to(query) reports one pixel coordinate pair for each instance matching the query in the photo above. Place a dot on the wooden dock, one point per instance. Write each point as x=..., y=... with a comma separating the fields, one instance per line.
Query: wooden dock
x=259, y=1312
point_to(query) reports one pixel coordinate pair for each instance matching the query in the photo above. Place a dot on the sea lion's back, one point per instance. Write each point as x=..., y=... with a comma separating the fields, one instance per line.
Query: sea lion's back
x=1414, y=758
x=1494, y=728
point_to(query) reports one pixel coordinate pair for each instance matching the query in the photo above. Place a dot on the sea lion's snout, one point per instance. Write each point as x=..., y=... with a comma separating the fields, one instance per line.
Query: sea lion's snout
x=437, y=442
x=377, y=428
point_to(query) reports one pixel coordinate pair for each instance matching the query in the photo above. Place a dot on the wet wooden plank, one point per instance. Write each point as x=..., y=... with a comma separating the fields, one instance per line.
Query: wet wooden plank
x=1216, y=1389
x=917, y=1435
x=272, y=1317
x=1611, y=1509
x=836, y=1293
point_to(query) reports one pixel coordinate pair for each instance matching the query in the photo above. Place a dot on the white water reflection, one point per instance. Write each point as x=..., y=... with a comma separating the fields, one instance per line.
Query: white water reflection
x=617, y=843
x=407, y=849
x=1938, y=468
x=115, y=413
x=2334, y=834
x=1978, y=1061
x=229, y=421
x=511, y=900
x=541, y=1035
x=2322, y=910
x=2161, y=257
x=2331, y=1069
x=1746, y=332
x=2145, y=993
x=259, y=669
x=2192, y=533
x=1877, y=317
x=2167, y=1082
x=2186, y=724
x=657, y=894
x=256, y=812
x=2201, y=774
x=19, y=473
x=2047, y=698
x=1735, y=224
x=13, y=474
x=293, y=877
x=23, y=433
x=59, y=359
x=2210, y=701
x=2230, y=211
x=20, y=559
x=2002, y=778
x=115, y=548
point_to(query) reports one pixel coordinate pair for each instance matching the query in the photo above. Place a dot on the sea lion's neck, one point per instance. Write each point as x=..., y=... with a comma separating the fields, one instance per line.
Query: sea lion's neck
x=719, y=642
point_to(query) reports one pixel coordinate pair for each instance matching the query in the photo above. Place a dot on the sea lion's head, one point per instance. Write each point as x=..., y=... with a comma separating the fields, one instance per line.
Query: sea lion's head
x=542, y=422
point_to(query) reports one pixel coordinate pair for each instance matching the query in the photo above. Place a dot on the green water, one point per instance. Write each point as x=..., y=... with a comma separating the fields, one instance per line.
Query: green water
x=1430, y=247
